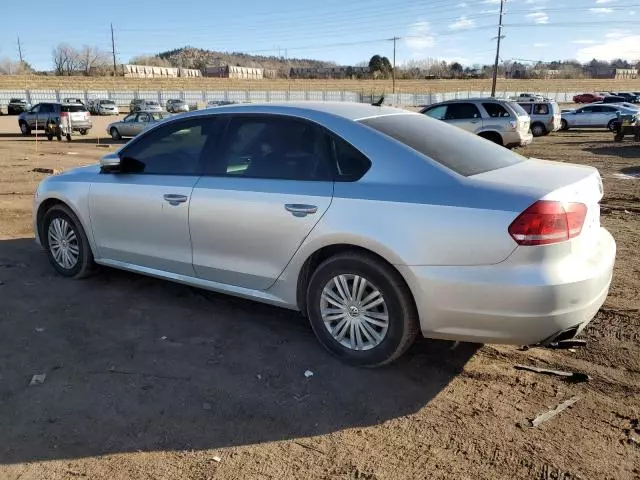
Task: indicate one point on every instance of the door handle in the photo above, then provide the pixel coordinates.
(175, 199)
(300, 210)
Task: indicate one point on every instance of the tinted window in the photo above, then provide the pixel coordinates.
(526, 107)
(586, 110)
(107, 102)
(73, 108)
(596, 109)
(460, 111)
(438, 112)
(495, 110)
(541, 109)
(46, 108)
(174, 149)
(130, 118)
(276, 148)
(608, 109)
(351, 163)
(457, 150)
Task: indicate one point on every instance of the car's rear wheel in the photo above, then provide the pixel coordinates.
(361, 310)
(66, 243)
(83, 132)
(564, 125)
(611, 126)
(115, 134)
(492, 137)
(24, 128)
(538, 130)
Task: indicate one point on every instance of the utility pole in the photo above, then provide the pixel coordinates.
(495, 64)
(113, 50)
(393, 70)
(20, 51)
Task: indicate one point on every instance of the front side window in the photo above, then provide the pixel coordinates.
(495, 110)
(439, 112)
(130, 118)
(35, 109)
(174, 149)
(462, 111)
(275, 148)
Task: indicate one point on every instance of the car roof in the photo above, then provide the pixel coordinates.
(348, 110)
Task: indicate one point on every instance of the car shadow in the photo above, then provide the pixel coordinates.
(74, 139)
(138, 364)
(630, 150)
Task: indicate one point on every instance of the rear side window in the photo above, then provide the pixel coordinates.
(526, 107)
(541, 109)
(73, 108)
(495, 110)
(351, 163)
(451, 147)
(461, 111)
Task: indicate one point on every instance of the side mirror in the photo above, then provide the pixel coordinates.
(110, 162)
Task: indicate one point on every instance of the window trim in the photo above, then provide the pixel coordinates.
(171, 124)
(449, 105)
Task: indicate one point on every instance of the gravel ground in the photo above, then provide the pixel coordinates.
(148, 379)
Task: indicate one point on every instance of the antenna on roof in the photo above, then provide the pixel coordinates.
(379, 102)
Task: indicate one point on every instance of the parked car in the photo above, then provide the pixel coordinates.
(344, 234)
(529, 97)
(587, 98)
(144, 105)
(103, 107)
(133, 124)
(545, 117)
(593, 116)
(73, 101)
(622, 104)
(177, 106)
(613, 99)
(501, 121)
(219, 103)
(629, 97)
(38, 116)
(17, 105)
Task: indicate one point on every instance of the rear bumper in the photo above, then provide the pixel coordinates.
(513, 302)
(517, 139)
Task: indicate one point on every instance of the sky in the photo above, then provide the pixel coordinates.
(344, 31)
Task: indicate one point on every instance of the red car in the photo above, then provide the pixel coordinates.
(587, 98)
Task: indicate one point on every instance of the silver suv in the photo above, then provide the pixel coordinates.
(144, 105)
(37, 117)
(501, 121)
(177, 106)
(545, 117)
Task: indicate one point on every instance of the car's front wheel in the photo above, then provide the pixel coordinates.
(564, 125)
(66, 243)
(611, 126)
(24, 128)
(115, 134)
(361, 310)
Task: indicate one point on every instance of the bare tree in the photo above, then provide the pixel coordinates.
(91, 58)
(65, 59)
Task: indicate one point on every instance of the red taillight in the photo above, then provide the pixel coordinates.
(64, 114)
(547, 222)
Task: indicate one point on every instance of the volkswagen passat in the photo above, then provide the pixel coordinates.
(374, 222)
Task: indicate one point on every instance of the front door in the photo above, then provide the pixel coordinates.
(140, 215)
(255, 205)
(464, 115)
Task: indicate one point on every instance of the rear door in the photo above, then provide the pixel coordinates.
(464, 115)
(267, 188)
(584, 117)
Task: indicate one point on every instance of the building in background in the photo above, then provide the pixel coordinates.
(145, 71)
(626, 73)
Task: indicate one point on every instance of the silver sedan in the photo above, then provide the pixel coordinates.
(376, 223)
(594, 116)
(133, 124)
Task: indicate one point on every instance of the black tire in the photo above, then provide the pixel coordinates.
(83, 132)
(115, 134)
(49, 137)
(59, 137)
(611, 126)
(403, 317)
(25, 129)
(68, 137)
(564, 125)
(85, 264)
(538, 129)
(492, 137)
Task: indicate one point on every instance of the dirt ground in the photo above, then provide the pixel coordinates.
(152, 380)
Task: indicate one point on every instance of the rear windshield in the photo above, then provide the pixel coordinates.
(152, 103)
(107, 102)
(73, 108)
(461, 152)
